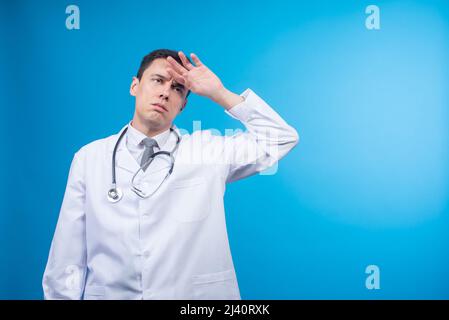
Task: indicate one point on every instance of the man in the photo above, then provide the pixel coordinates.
(162, 234)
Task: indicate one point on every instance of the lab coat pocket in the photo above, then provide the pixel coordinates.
(216, 286)
(94, 293)
(192, 197)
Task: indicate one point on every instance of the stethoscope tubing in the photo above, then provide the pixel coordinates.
(114, 193)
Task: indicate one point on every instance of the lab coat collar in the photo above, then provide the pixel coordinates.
(125, 160)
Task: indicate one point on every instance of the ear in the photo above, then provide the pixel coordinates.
(134, 86)
(183, 105)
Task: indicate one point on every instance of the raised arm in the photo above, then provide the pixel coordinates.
(268, 137)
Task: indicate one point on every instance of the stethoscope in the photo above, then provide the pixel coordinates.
(115, 194)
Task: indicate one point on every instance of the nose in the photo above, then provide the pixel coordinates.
(165, 91)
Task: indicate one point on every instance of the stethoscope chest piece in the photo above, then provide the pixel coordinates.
(115, 194)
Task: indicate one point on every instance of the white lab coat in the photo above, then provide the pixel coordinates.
(173, 245)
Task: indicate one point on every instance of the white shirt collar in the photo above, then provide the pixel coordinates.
(135, 137)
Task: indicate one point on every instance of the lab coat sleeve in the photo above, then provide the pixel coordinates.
(64, 274)
(267, 139)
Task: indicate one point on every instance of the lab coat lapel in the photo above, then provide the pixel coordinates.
(123, 158)
(162, 163)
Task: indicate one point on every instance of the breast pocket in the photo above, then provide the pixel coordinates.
(216, 286)
(191, 199)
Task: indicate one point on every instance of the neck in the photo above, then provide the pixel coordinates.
(147, 129)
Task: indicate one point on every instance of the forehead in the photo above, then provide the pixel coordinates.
(158, 66)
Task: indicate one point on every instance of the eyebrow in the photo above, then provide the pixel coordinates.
(176, 84)
(159, 75)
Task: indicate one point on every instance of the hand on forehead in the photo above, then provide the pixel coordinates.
(182, 70)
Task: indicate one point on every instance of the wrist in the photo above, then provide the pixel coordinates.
(226, 98)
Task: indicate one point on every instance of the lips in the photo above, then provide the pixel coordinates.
(160, 107)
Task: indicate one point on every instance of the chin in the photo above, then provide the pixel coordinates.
(155, 121)
(153, 116)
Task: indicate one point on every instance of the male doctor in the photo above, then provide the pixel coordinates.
(143, 214)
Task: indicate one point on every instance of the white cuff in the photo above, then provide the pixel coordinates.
(242, 111)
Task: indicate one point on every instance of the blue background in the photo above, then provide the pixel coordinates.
(367, 184)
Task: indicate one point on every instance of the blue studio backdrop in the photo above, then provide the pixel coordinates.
(363, 196)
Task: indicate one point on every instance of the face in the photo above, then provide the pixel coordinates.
(159, 98)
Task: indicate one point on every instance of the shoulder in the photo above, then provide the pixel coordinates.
(203, 137)
(210, 143)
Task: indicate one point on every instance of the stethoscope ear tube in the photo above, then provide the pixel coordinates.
(115, 194)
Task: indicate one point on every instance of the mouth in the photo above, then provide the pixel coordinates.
(159, 107)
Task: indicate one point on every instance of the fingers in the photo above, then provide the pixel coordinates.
(180, 73)
(196, 59)
(178, 78)
(177, 67)
(185, 61)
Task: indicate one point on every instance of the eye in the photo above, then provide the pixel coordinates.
(157, 80)
(178, 89)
